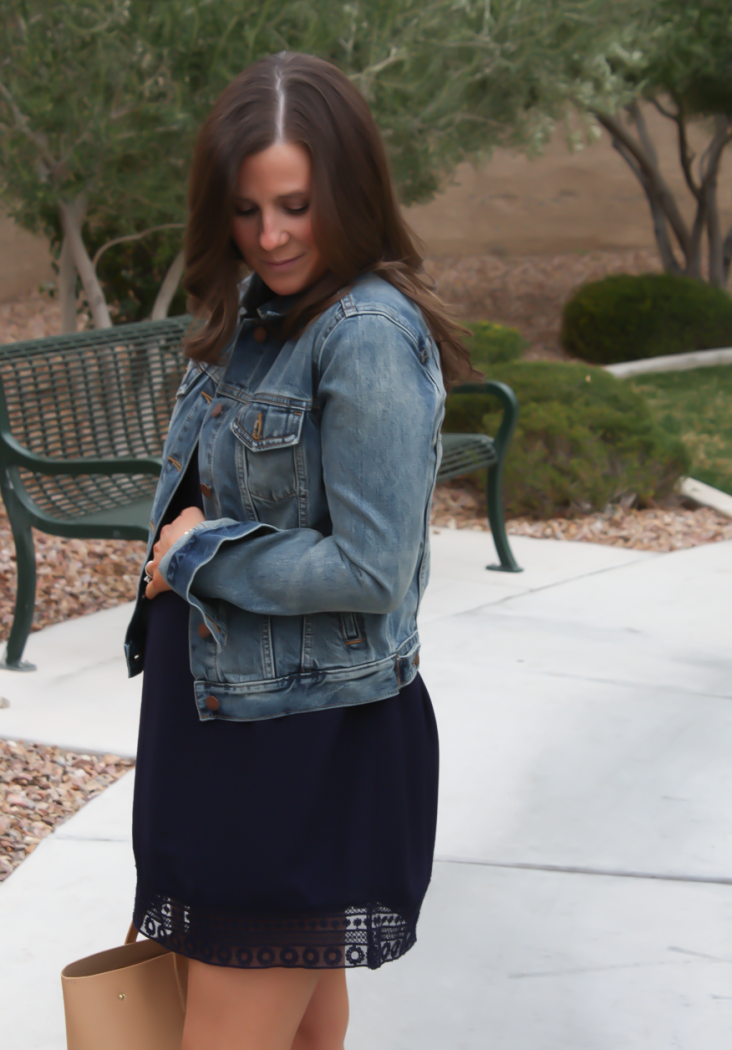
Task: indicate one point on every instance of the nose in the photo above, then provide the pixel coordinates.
(272, 235)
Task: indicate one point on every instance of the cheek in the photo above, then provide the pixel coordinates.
(304, 232)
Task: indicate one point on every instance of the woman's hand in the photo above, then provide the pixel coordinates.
(168, 535)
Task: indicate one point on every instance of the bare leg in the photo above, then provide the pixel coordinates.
(324, 1023)
(234, 1009)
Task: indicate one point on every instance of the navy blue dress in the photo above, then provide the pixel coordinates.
(305, 840)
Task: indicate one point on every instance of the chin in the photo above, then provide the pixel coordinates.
(286, 285)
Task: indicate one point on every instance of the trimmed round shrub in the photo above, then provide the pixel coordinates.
(584, 440)
(626, 317)
(494, 344)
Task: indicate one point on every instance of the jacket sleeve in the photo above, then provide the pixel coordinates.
(381, 408)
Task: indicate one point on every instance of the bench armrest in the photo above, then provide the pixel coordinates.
(509, 403)
(21, 457)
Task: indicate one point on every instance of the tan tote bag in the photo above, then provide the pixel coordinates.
(127, 998)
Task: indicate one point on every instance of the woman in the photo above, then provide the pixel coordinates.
(286, 786)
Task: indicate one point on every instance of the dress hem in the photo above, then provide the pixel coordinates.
(366, 935)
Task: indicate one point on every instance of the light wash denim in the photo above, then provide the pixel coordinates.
(318, 459)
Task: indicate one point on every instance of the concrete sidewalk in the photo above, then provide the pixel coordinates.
(582, 892)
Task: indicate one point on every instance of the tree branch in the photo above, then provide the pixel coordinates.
(71, 223)
(727, 255)
(686, 155)
(67, 288)
(378, 67)
(710, 160)
(661, 190)
(664, 112)
(168, 288)
(660, 222)
(134, 237)
(50, 164)
(634, 111)
(710, 169)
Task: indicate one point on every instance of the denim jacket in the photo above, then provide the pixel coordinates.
(317, 458)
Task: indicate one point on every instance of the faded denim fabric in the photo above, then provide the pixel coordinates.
(320, 456)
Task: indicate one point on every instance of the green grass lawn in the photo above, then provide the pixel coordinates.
(697, 406)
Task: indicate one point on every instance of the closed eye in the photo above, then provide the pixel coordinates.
(247, 212)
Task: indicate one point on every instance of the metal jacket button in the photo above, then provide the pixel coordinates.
(260, 334)
(217, 409)
(203, 631)
(212, 703)
(415, 661)
(206, 490)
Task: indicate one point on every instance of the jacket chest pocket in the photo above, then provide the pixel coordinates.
(269, 452)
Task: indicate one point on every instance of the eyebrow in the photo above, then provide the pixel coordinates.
(282, 197)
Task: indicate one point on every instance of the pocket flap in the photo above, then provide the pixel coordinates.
(262, 426)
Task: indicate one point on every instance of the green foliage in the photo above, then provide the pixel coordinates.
(584, 439)
(626, 317)
(695, 406)
(494, 344)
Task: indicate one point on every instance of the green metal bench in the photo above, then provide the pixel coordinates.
(465, 453)
(83, 418)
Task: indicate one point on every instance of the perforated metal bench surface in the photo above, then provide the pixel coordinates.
(464, 453)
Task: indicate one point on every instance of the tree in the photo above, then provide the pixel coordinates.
(602, 62)
(100, 103)
(99, 106)
(680, 63)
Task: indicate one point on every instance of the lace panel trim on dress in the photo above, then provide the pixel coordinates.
(357, 936)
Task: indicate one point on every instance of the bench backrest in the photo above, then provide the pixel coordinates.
(100, 395)
(104, 393)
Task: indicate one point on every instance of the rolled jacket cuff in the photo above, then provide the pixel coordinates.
(198, 546)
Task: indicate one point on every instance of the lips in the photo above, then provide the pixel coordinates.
(282, 262)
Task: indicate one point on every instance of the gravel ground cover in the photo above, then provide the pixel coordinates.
(41, 787)
(73, 577)
(669, 528)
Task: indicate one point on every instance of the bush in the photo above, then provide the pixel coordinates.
(494, 344)
(624, 318)
(584, 439)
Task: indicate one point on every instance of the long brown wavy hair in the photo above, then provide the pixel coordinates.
(357, 224)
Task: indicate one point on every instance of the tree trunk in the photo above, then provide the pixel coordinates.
(714, 237)
(67, 288)
(168, 288)
(727, 256)
(71, 221)
(693, 266)
(660, 222)
(650, 170)
(712, 160)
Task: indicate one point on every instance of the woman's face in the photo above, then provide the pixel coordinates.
(272, 220)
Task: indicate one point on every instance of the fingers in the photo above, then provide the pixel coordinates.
(157, 583)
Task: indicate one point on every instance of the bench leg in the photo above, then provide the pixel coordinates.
(25, 598)
(498, 526)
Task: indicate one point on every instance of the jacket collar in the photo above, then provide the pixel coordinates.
(256, 299)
